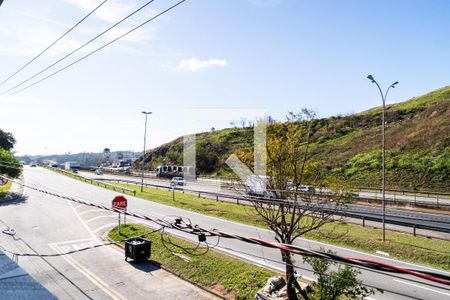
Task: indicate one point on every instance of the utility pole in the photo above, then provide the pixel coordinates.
(383, 146)
(143, 154)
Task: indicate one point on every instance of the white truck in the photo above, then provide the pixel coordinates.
(72, 166)
(257, 186)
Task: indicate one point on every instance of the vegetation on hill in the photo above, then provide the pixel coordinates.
(417, 141)
(85, 159)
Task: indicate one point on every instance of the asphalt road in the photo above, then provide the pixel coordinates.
(389, 195)
(46, 225)
(374, 213)
(59, 223)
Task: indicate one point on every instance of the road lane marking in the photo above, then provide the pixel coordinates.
(91, 276)
(104, 227)
(98, 217)
(90, 211)
(72, 241)
(422, 287)
(81, 220)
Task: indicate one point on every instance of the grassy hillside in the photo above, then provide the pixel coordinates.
(417, 139)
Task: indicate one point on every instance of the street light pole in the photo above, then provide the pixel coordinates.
(383, 145)
(143, 154)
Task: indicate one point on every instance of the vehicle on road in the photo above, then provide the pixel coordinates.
(178, 181)
(98, 171)
(33, 164)
(307, 189)
(257, 186)
(173, 171)
(72, 166)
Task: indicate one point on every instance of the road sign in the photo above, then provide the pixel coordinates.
(3, 181)
(119, 202)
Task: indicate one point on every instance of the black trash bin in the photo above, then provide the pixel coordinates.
(138, 249)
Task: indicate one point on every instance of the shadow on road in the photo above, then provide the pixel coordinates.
(13, 199)
(145, 266)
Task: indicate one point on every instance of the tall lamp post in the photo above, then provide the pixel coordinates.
(383, 145)
(146, 113)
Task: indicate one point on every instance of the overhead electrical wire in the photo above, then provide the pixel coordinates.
(79, 48)
(52, 44)
(186, 227)
(96, 50)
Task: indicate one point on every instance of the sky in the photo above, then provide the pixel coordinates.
(235, 56)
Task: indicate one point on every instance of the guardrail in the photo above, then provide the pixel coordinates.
(363, 214)
(92, 181)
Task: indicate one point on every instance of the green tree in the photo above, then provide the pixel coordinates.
(7, 140)
(289, 167)
(332, 285)
(9, 165)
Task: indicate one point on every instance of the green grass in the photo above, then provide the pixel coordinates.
(4, 189)
(402, 246)
(421, 250)
(213, 270)
(432, 252)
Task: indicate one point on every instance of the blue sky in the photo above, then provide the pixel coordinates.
(275, 55)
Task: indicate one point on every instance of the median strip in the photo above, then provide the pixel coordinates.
(220, 273)
(402, 246)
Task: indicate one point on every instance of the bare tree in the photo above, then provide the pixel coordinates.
(243, 122)
(298, 209)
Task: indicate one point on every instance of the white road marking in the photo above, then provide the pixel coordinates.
(72, 241)
(91, 276)
(422, 287)
(90, 211)
(81, 220)
(104, 227)
(98, 217)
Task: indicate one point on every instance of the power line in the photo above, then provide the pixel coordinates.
(77, 49)
(181, 225)
(96, 50)
(52, 44)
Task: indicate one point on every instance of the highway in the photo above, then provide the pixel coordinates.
(397, 196)
(394, 216)
(61, 224)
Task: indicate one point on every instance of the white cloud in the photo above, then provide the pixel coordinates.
(194, 64)
(111, 11)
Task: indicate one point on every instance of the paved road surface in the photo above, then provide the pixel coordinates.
(46, 224)
(36, 208)
(393, 216)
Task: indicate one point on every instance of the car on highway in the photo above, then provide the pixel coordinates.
(33, 164)
(307, 189)
(178, 181)
(98, 171)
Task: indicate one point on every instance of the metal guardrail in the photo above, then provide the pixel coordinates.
(92, 181)
(363, 215)
(439, 197)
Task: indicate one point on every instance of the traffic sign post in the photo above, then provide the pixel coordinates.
(120, 203)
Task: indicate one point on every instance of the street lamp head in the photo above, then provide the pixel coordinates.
(370, 77)
(394, 84)
(147, 113)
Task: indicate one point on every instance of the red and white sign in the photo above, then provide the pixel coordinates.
(119, 202)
